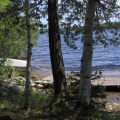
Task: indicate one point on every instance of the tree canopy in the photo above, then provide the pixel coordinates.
(73, 13)
(13, 31)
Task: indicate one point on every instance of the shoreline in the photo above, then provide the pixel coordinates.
(47, 71)
(108, 76)
(111, 73)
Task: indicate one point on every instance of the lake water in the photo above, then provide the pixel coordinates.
(103, 58)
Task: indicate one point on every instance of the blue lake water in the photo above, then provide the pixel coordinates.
(103, 58)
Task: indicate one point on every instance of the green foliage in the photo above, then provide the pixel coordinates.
(6, 70)
(70, 77)
(12, 100)
(13, 37)
(74, 18)
(3, 4)
(38, 100)
(13, 32)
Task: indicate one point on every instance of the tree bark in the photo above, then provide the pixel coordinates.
(29, 55)
(84, 96)
(60, 85)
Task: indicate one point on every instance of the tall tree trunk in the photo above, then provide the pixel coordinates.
(60, 85)
(29, 55)
(84, 96)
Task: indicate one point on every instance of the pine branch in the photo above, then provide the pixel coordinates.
(103, 6)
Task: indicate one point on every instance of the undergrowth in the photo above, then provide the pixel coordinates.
(12, 101)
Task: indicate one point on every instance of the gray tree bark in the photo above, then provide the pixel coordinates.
(84, 95)
(29, 55)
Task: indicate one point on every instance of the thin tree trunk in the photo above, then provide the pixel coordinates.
(29, 54)
(60, 85)
(84, 96)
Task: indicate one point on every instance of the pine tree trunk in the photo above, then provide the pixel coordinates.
(84, 96)
(60, 85)
(29, 55)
